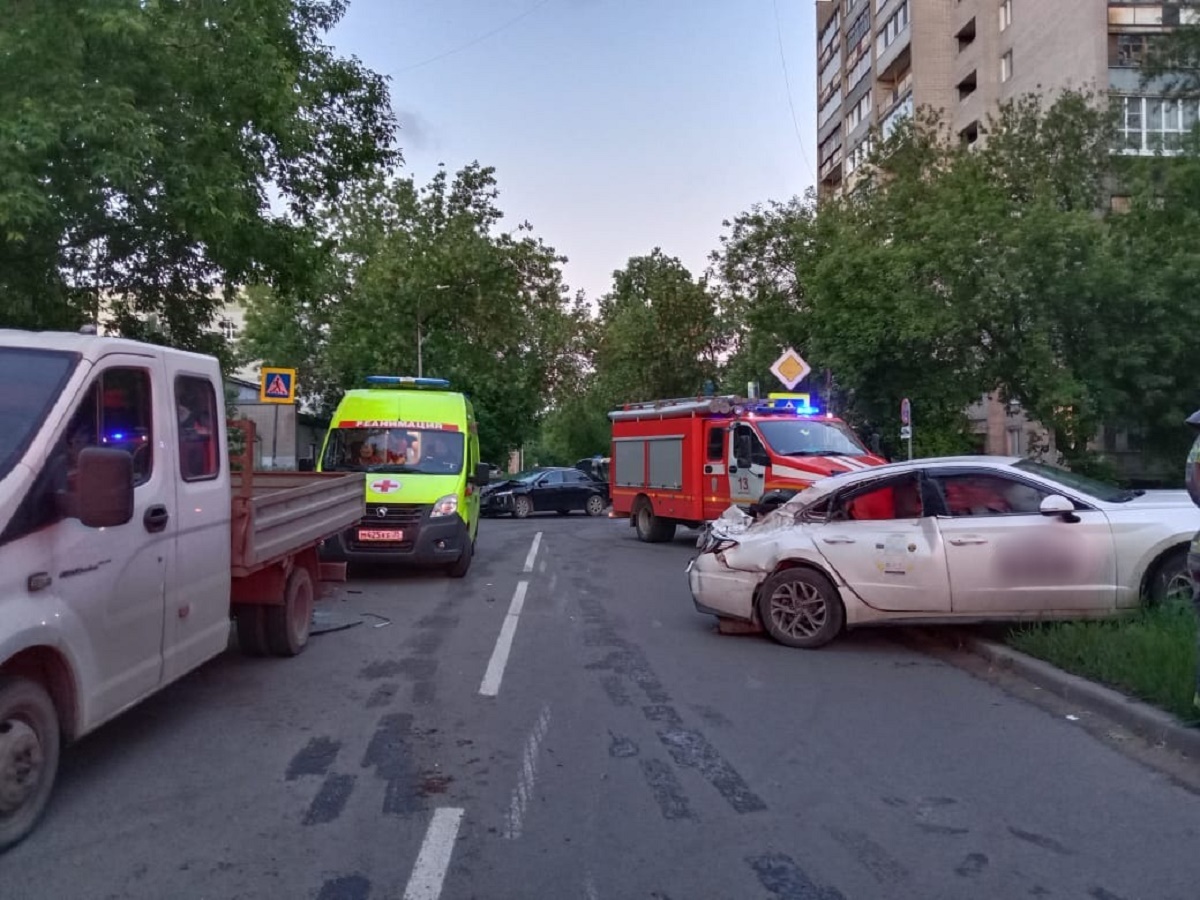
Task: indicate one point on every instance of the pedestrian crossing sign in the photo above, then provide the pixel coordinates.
(277, 385)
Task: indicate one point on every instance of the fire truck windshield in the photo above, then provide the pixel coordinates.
(810, 437)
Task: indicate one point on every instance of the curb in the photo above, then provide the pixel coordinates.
(1149, 722)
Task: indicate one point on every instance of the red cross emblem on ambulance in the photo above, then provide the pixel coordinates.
(386, 486)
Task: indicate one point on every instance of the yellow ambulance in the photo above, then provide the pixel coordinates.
(418, 444)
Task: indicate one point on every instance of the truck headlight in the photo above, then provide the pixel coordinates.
(447, 506)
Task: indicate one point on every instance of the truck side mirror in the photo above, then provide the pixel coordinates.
(105, 487)
(483, 475)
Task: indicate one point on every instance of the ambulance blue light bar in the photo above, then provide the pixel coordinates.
(408, 381)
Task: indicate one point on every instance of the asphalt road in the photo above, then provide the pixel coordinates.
(628, 751)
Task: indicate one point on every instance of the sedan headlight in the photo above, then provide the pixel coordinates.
(447, 506)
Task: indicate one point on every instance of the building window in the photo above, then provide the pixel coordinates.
(1130, 50)
(1150, 125)
(1006, 66)
(893, 28)
(966, 35)
(832, 105)
(861, 111)
(830, 32)
(228, 329)
(967, 86)
(1005, 14)
(903, 110)
(970, 134)
(858, 155)
(858, 30)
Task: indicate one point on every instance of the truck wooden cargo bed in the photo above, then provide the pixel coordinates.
(276, 514)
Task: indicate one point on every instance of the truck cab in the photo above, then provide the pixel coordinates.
(120, 564)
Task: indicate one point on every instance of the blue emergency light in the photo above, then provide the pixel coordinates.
(786, 407)
(408, 381)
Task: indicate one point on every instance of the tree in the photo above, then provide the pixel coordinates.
(141, 142)
(423, 281)
(658, 333)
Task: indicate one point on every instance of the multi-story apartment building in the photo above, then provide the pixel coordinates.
(878, 60)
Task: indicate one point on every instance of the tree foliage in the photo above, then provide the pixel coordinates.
(948, 272)
(141, 145)
(489, 306)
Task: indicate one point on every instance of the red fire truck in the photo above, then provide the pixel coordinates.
(684, 462)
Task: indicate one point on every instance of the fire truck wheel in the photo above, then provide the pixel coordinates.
(800, 608)
(29, 744)
(522, 507)
(651, 528)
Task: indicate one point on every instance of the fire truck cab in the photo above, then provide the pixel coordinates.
(684, 462)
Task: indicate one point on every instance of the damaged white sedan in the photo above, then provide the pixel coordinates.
(941, 540)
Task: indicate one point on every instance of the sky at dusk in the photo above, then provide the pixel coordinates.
(615, 126)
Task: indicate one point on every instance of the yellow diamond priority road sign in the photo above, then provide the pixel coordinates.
(790, 368)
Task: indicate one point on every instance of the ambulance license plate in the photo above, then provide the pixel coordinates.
(380, 534)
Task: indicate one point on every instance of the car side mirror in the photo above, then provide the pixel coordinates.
(105, 487)
(1056, 505)
(483, 475)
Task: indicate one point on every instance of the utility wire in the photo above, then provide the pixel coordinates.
(503, 26)
(787, 81)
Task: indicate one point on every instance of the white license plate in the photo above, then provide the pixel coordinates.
(380, 534)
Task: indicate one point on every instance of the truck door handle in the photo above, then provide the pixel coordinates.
(156, 518)
(966, 541)
(838, 539)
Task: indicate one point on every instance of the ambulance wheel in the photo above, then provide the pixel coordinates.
(29, 745)
(288, 625)
(522, 507)
(460, 567)
(650, 528)
(251, 622)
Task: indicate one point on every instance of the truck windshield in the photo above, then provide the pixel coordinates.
(398, 450)
(810, 437)
(30, 382)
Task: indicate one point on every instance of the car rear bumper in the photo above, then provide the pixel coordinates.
(428, 543)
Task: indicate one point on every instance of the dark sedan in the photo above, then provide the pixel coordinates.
(545, 490)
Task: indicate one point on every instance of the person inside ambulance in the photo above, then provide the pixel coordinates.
(439, 457)
(402, 449)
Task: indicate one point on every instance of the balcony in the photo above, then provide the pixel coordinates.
(893, 42)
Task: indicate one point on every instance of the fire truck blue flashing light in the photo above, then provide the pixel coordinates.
(786, 407)
(407, 381)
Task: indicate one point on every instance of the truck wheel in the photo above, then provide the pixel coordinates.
(29, 747)
(288, 625)
(651, 528)
(522, 507)
(595, 505)
(800, 608)
(251, 622)
(462, 565)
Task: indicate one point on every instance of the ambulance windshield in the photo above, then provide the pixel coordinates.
(395, 450)
(810, 437)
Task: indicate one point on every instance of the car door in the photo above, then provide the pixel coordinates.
(197, 597)
(748, 461)
(547, 490)
(577, 487)
(1004, 556)
(881, 539)
(114, 579)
